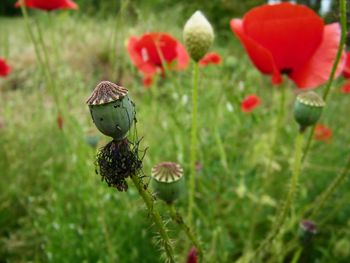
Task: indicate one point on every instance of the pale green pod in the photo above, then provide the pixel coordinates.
(308, 108)
(167, 181)
(198, 35)
(111, 109)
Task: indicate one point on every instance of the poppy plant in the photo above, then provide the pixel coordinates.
(290, 39)
(48, 5)
(210, 58)
(151, 52)
(250, 102)
(5, 69)
(322, 133)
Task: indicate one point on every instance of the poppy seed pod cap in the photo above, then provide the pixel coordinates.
(111, 109)
(167, 181)
(198, 35)
(308, 108)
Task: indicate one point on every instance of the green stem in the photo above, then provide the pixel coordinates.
(325, 195)
(288, 203)
(342, 8)
(267, 169)
(192, 181)
(43, 64)
(49, 77)
(176, 216)
(147, 198)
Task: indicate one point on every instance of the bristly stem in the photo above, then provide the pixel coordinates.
(342, 9)
(176, 216)
(326, 194)
(288, 203)
(192, 179)
(148, 199)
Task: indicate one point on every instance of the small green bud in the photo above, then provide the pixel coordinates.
(167, 181)
(308, 108)
(111, 109)
(198, 35)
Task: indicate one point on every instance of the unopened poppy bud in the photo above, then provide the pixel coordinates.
(308, 108)
(111, 109)
(307, 230)
(198, 35)
(167, 181)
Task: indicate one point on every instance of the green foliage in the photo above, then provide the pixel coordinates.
(54, 208)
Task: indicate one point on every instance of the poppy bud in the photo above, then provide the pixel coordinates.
(308, 108)
(167, 181)
(111, 109)
(198, 35)
(307, 230)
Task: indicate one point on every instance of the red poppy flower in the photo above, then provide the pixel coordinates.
(210, 58)
(322, 133)
(48, 5)
(290, 39)
(5, 69)
(152, 51)
(192, 256)
(250, 102)
(346, 71)
(147, 81)
(346, 87)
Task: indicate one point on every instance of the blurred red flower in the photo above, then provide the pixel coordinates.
(346, 71)
(59, 120)
(290, 39)
(151, 52)
(210, 58)
(346, 87)
(322, 133)
(5, 69)
(250, 102)
(48, 5)
(192, 256)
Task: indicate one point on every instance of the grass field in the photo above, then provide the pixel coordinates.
(54, 208)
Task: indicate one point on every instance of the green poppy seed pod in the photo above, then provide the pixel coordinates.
(111, 109)
(167, 181)
(198, 35)
(308, 108)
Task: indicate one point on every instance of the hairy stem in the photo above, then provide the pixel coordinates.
(192, 181)
(288, 203)
(147, 198)
(326, 194)
(342, 8)
(177, 217)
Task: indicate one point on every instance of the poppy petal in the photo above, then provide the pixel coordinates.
(259, 55)
(279, 28)
(346, 71)
(210, 58)
(346, 87)
(317, 70)
(5, 69)
(141, 62)
(183, 58)
(48, 5)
